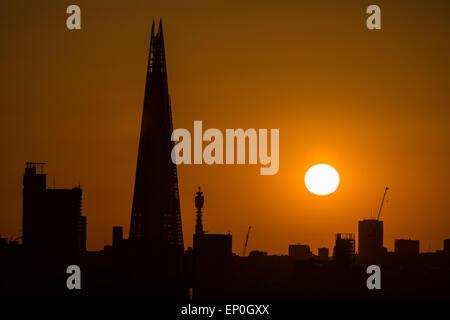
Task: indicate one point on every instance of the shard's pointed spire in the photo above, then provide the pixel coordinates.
(160, 34)
(160, 26)
(150, 55)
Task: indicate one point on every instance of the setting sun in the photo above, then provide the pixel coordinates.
(322, 179)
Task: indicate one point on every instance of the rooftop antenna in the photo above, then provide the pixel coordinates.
(199, 201)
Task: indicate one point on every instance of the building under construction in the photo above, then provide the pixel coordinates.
(370, 238)
(370, 241)
(52, 222)
(344, 248)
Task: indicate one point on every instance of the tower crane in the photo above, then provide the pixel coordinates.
(246, 241)
(382, 202)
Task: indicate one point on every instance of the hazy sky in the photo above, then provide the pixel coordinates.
(373, 104)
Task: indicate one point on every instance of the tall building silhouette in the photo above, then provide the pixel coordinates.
(370, 241)
(155, 219)
(52, 222)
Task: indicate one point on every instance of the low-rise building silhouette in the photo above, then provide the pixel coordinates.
(300, 252)
(406, 248)
(323, 254)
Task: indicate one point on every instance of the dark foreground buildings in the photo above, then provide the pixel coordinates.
(211, 258)
(406, 249)
(53, 236)
(149, 262)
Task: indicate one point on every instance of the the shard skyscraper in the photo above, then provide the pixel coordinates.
(156, 219)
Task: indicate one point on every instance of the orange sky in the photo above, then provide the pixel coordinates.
(373, 104)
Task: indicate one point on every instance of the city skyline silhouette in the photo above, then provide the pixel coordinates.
(152, 262)
(372, 105)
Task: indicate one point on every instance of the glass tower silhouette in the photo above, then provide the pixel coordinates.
(156, 218)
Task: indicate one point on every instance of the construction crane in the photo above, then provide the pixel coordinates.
(382, 202)
(246, 241)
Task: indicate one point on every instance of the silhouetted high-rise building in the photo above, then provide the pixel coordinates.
(370, 241)
(52, 220)
(156, 219)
